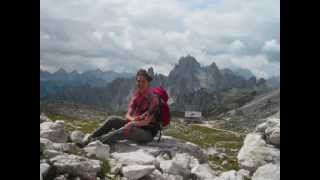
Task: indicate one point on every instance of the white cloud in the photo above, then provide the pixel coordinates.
(237, 46)
(126, 35)
(271, 46)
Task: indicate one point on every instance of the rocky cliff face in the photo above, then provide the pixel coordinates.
(189, 85)
(249, 114)
(182, 79)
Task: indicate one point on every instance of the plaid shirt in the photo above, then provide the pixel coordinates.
(145, 103)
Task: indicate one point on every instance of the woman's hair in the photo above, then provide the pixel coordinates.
(144, 73)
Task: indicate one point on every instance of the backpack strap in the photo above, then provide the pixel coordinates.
(158, 118)
(160, 133)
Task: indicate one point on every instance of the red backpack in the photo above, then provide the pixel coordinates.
(164, 110)
(164, 107)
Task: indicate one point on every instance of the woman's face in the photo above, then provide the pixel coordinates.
(142, 83)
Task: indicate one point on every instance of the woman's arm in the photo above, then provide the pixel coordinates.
(154, 105)
(144, 121)
(129, 116)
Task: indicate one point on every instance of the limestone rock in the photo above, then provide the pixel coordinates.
(77, 136)
(181, 164)
(76, 165)
(135, 157)
(137, 171)
(173, 177)
(44, 144)
(44, 169)
(273, 137)
(230, 175)
(49, 153)
(203, 172)
(54, 131)
(61, 177)
(115, 166)
(155, 175)
(255, 152)
(178, 146)
(267, 172)
(98, 150)
(44, 118)
(244, 173)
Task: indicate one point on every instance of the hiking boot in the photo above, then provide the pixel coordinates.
(86, 140)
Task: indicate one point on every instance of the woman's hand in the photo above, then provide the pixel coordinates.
(127, 128)
(141, 117)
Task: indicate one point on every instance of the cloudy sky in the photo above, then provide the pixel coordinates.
(124, 35)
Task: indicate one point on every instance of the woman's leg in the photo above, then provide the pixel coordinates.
(136, 134)
(112, 122)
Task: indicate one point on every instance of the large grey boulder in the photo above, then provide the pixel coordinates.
(128, 146)
(77, 136)
(181, 164)
(115, 166)
(136, 157)
(255, 152)
(98, 150)
(230, 175)
(173, 177)
(203, 172)
(273, 136)
(244, 173)
(272, 132)
(46, 144)
(44, 118)
(268, 123)
(155, 175)
(174, 145)
(270, 129)
(62, 147)
(267, 172)
(50, 153)
(137, 171)
(77, 166)
(44, 169)
(54, 131)
(61, 177)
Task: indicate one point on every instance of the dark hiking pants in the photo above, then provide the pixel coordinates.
(112, 131)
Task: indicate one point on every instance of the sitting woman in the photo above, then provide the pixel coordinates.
(139, 124)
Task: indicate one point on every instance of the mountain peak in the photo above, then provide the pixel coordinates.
(246, 73)
(98, 70)
(188, 60)
(214, 66)
(61, 71)
(74, 72)
(151, 72)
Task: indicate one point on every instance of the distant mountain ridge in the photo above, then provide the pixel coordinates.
(96, 78)
(189, 85)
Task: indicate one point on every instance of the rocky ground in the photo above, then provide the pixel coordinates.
(190, 156)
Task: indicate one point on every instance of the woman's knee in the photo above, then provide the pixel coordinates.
(114, 118)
